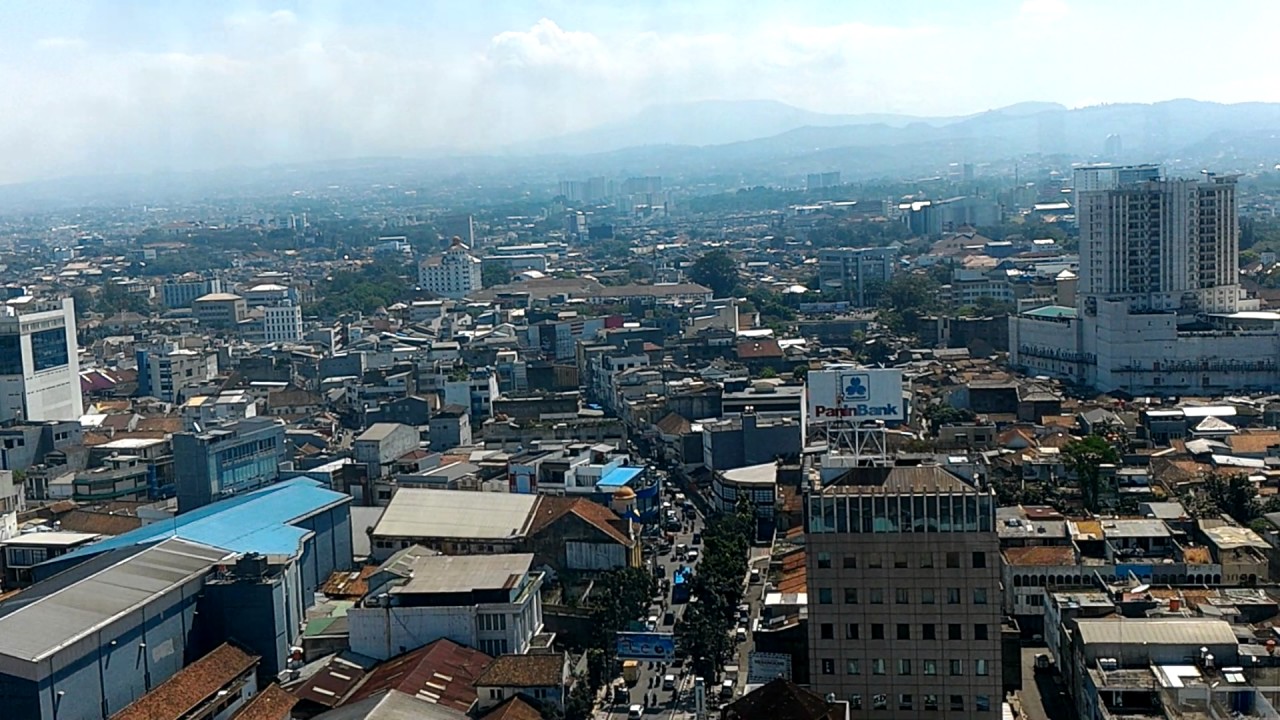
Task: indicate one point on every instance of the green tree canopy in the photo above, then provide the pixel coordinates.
(1085, 458)
(717, 270)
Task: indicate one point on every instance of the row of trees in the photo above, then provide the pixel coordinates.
(703, 633)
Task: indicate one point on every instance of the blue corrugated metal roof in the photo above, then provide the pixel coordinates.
(254, 522)
(619, 477)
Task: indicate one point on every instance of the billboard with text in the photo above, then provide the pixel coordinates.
(646, 646)
(854, 394)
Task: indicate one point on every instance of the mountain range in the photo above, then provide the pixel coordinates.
(756, 142)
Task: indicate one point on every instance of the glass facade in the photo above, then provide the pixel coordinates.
(49, 349)
(968, 512)
(10, 355)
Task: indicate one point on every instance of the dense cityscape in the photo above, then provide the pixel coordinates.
(757, 414)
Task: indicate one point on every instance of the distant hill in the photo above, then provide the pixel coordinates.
(712, 122)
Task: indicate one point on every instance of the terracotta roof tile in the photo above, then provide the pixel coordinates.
(551, 508)
(1254, 442)
(764, 348)
(443, 669)
(1054, 555)
(270, 704)
(523, 671)
(513, 708)
(341, 585)
(99, 523)
(191, 686)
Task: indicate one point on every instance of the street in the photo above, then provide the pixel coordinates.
(651, 673)
(1039, 687)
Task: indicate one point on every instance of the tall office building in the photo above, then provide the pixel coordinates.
(39, 363)
(1159, 308)
(904, 593)
(1158, 244)
(852, 273)
(455, 274)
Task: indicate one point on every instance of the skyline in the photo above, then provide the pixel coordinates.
(97, 87)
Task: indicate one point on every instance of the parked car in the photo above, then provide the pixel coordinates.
(669, 682)
(635, 712)
(755, 575)
(1044, 663)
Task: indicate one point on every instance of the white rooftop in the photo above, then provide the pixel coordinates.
(424, 513)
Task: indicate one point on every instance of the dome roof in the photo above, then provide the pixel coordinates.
(624, 493)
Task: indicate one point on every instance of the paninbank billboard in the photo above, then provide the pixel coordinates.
(855, 394)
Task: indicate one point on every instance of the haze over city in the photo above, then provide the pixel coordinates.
(98, 86)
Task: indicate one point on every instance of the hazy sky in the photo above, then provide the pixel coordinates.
(133, 85)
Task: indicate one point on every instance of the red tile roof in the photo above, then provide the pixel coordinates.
(551, 508)
(523, 671)
(513, 708)
(443, 669)
(347, 585)
(764, 348)
(270, 704)
(192, 686)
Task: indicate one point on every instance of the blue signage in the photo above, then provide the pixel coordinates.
(646, 646)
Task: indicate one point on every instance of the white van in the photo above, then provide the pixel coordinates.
(726, 689)
(669, 682)
(635, 712)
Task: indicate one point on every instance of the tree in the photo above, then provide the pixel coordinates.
(1085, 458)
(495, 274)
(581, 702)
(703, 631)
(716, 270)
(1234, 496)
(906, 298)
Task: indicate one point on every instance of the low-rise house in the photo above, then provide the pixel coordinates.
(543, 677)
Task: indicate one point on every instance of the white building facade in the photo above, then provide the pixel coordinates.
(1159, 308)
(39, 362)
(455, 274)
(282, 323)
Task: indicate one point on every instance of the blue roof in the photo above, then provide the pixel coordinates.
(619, 477)
(259, 521)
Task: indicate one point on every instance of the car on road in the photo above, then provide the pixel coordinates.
(697, 539)
(740, 634)
(691, 556)
(726, 689)
(635, 712)
(755, 575)
(669, 618)
(669, 682)
(651, 624)
(1044, 663)
(681, 549)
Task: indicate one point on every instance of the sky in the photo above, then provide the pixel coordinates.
(122, 86)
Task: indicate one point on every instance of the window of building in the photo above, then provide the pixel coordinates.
(904, 666)
(927, 596)
(824, 560)
(877, 666)
(957, 667)
(904, 701)
(904, 631)
(928, 631)
(828, 666)
(855, 701)
(1035, 600)
(929, 667)
(980, 632)
(979, 596)
(982, 703)
(902, 596)
(827, 631)
(875, 561)
(930, 702)
(879, 701)
(979, 560)
(851, 596)
(926, 560)
(957, 703)
(849, 562)
(877, 596)
(824, 596)
(900, 560)
(979, 667)
(877, 631)
(495, 693)
(851, 631)
(953, 632)
(953, 559)
(953, 596)
(852, 667)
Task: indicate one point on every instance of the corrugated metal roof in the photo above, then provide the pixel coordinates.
(421, 513)
(254, 522)
(1191, 632)
(40, 628)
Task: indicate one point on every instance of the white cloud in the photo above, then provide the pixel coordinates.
(1043, 11)
(61, 43)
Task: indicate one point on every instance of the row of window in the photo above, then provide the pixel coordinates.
(880, 666)
(977, 560)
(901, 596)
(928, 631)
(901, 513)
(880, 701)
